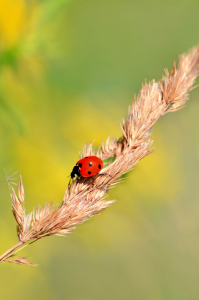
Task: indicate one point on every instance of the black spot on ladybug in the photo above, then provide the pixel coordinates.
(99, 166)
(89, 172)
(90, 164)
(80, 165)
(86, 157)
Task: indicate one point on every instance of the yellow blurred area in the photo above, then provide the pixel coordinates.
(68, 72)
(13, 21)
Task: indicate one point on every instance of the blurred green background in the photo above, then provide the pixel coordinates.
(68, 71)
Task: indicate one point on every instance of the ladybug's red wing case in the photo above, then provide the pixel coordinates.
(90, 165)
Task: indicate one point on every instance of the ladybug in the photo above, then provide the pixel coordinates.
(87, 167)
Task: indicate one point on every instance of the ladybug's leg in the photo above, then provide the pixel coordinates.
(69, 181)
(104, 188)
(105, 174)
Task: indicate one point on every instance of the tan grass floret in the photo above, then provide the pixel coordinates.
(84, 198)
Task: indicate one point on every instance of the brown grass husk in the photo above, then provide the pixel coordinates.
(84, 198)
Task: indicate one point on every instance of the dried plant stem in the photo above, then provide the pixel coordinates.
(10, 251)
(84, 197)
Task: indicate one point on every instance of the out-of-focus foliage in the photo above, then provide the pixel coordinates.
(68, 71)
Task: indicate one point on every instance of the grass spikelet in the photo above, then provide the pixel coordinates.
(84, 197)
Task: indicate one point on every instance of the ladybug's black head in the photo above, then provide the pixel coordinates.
(75, 172)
